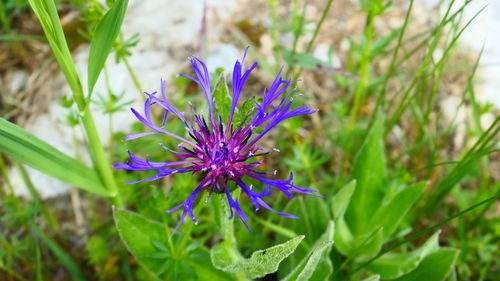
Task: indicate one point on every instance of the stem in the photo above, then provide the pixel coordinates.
(318, 26)
(364, 74)
(5, 175)
(315, 33)
(49, 217)
(137, 84)
(99, 158)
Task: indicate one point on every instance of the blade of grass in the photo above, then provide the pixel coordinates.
(29, 150)
(49, 217)
(105, 34)
(61, 255)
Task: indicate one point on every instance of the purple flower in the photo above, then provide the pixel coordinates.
(218, 150)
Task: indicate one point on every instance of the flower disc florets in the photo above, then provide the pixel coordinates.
(218, 149)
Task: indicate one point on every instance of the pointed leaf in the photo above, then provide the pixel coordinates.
(341, 200)
(320, 253)
(222, 97)
(369, 170)
(46, 12)
(391, 265)
(260, 263)
(32, 151)
(434, 267)
(314, 216)
(104, 37)
(391, 214)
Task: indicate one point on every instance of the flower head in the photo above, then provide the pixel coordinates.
(218, 150)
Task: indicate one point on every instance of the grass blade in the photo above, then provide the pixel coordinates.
(61, 255)
(32, 151)
(104, 37)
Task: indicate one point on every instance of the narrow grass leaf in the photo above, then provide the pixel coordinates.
(105, 34)
(61, 255)
(46, 12)
(32, 151)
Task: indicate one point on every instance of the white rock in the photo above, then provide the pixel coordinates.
(17, 81)
(323, 53)
(223, 56)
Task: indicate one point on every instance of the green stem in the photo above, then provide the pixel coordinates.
(5, 175)
(131, 72)
(99, 158)
(310, 44)
(364, 74)
(49, 217)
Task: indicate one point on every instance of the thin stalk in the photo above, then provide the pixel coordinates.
(273, 5)
(364, 71)
(392, 67)
(49, 217)
(5, 175)
(132, 74)
(99, 158)
(310, 44)
(318, 26)
(109, 106)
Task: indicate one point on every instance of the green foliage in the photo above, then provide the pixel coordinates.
(61, 255)
(30, 150)
(391, 266)
(105, 34)
(225, 255)
(316, 265)
(434, 267)
(260, 263)
(149, 242)
(46, 13)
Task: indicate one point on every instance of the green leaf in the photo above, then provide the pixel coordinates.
(314, 216)
(370, 172)
(102, 42)
(392, 213)
(434, 267)
(222, 98)
(61, 255)
(138, 234)
(32, 151)
(362, 247)
(341, 200)
(260, 263)
(391, 265)
(246, 108)
(319, 255)
(46, 12)
(147, 240)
